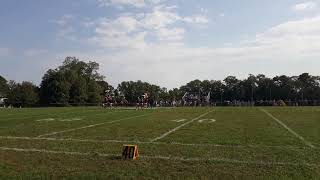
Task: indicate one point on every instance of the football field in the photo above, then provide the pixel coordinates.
(173, 143)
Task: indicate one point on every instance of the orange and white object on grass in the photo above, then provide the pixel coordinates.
(130, 152)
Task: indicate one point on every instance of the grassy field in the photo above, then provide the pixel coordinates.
(180, 143)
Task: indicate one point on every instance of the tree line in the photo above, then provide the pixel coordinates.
(76, 82)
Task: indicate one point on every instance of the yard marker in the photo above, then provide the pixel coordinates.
(172, 158)
(287, 128)
(90, 126)
(130, 152)
(177, 128)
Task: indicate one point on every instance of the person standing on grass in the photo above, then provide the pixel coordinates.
(109, 99)
(151, 103)
(138, 104)
(145, 98)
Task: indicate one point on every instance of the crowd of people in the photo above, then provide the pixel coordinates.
(193, 100)
(145, 101)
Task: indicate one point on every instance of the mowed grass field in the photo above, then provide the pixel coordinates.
(174, 143)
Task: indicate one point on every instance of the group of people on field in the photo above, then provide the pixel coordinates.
(110, 100)
(145, 101)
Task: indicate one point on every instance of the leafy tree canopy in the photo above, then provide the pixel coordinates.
(74, 82)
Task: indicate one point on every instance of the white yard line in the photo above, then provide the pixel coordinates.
(50, 151)
(177, 128)
(107, 112)
(27, 116)
(231, 161)
(172, 158)
(178, 120)
(59, 114)
(148, 142)
(90, 126)
(287, 128)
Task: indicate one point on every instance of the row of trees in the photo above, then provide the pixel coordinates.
(76, 82)
(24, 93)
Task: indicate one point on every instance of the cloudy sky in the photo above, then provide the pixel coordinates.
(166, 42)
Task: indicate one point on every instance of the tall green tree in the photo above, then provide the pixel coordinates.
(74, 82)
(4, 88)
(25, 94)
(217, 90)
(232, 88)
(132, 90)
(54, 88)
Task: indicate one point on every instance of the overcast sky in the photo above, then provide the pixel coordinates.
(166, 42)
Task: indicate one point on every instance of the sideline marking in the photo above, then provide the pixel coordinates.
(90, 126)
(152, 143)
(179, 120)
(232, 161)
(210, 120)
(59, 119)
(47, 120)
(28, 116)
(287, 128)
(177, 128)
(69, 120)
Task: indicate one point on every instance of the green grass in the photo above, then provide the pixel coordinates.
(243, 143)
(305, 121)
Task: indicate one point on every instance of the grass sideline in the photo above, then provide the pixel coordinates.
(243, 143)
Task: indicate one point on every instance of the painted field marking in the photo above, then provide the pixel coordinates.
(108, 112)
(210, 120)
(59, 113)
(48, 151)
(177, 128)
(47, 120)
(287, 128)
(179, 120)
(224, 160)
(152, 143)
(59, 119)
(72, 119)
(90, 126)
(37, 115)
